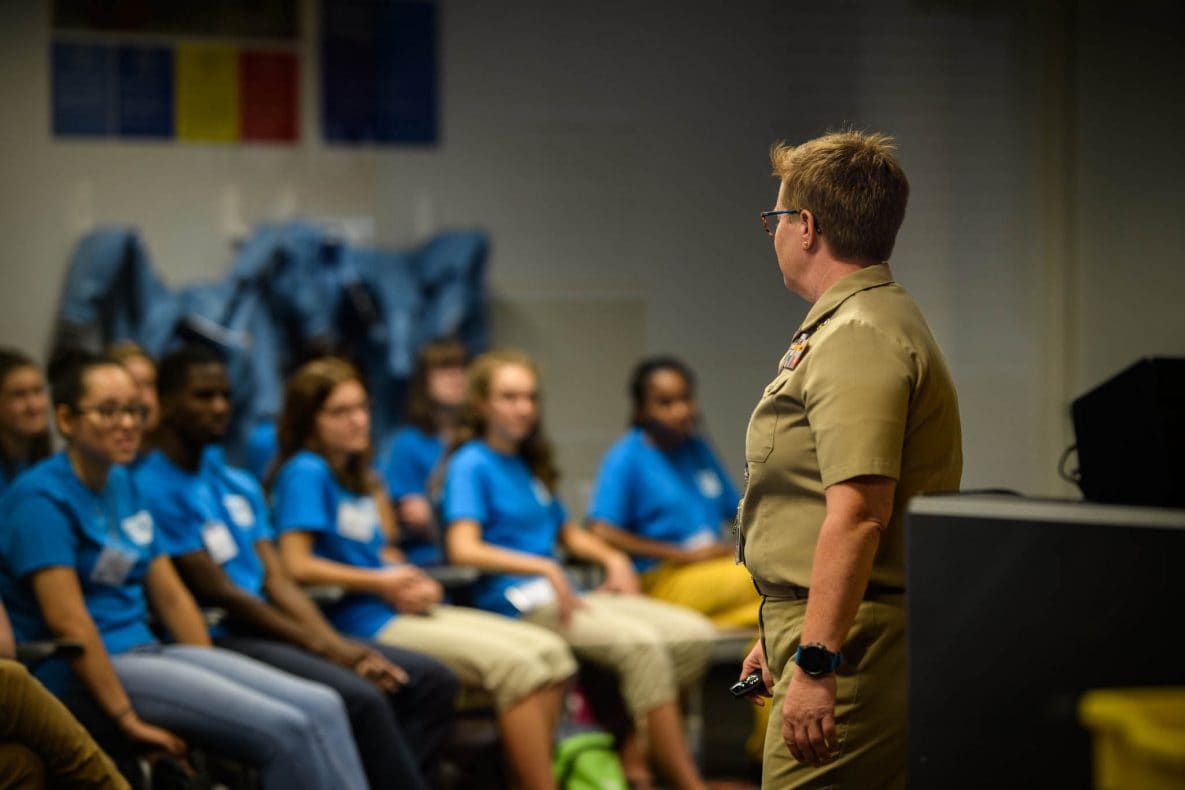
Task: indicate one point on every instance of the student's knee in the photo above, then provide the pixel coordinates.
(323, 703)
(556, 656)
(21, 767)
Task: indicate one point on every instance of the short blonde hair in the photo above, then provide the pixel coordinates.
(854, 186)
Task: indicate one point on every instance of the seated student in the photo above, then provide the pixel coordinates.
(336, 526)
(41, 744)
(142, 369)
(213, 521)
(24, 415)
(82, 562)
(504, 518)
(434, 398)
(661, 496)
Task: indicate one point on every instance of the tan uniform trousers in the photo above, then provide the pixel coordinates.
(43, 745)
(506, 658)
(870, 709)
(654, 648)
(718, 588)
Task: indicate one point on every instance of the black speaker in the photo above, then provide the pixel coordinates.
(1131, 436)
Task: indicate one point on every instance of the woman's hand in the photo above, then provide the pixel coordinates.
(567, 600)
(141, 731)
(368, 663)
(396, 584)
(620, 576)
(408, 588)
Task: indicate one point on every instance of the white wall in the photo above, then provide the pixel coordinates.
(616, 154)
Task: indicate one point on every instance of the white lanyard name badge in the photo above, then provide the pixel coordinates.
(708, 483)
(115, 563)
(220, 544)
(529, 596)
(357, 520)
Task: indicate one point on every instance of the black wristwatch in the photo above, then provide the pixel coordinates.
(816, 660)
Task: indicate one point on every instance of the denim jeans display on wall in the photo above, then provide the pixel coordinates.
(294, 290)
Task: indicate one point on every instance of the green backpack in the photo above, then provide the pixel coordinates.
(587, 761)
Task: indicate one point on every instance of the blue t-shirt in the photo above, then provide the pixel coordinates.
(346, 529)
(410, 462)
(514, 508)
(218, 509)
(678, 496)
(49, 518)
(262, 444)
(7, 477)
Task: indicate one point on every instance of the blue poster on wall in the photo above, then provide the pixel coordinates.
(146, 91)
(379, 71)
(84, 89)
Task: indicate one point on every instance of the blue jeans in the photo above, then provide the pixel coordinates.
(399, 735)
(296, 732)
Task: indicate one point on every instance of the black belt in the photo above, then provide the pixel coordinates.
(792, 592)
(789, 592)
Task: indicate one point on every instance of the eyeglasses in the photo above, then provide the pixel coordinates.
(109, 413)
(765, 218)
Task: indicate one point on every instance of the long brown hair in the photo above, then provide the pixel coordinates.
(40, 446)
(535, 450)
(420, 410)
(305, 394)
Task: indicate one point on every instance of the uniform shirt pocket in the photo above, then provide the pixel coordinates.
(763, 424)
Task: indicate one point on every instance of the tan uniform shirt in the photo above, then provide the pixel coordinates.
(864, 390)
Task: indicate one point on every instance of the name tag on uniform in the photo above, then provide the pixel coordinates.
(113, 566)
(709, 483)
(239, 509)
(542, 495)
(357, 520)
(220, 544)
(529, 596)
(138, 528)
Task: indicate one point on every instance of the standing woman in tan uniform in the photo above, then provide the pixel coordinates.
(860, 416)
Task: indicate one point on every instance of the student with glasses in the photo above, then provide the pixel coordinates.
(82, 561)
(214, 523)
(142, 369)
(336, 527)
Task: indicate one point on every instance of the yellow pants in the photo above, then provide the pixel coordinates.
(723, 592)
(42, 742)
(870, 705)
(719, 589)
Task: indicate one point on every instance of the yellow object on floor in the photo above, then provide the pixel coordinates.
(1139, 737)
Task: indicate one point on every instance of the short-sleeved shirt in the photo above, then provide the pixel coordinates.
(218, 509)
(262, 444)
(515, 509)
(8, 474)
(679, 496)
(346, 528)
(863, 390)
(410, 463)
(50, 519)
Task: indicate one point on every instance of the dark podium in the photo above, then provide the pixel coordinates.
(1016, 607)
